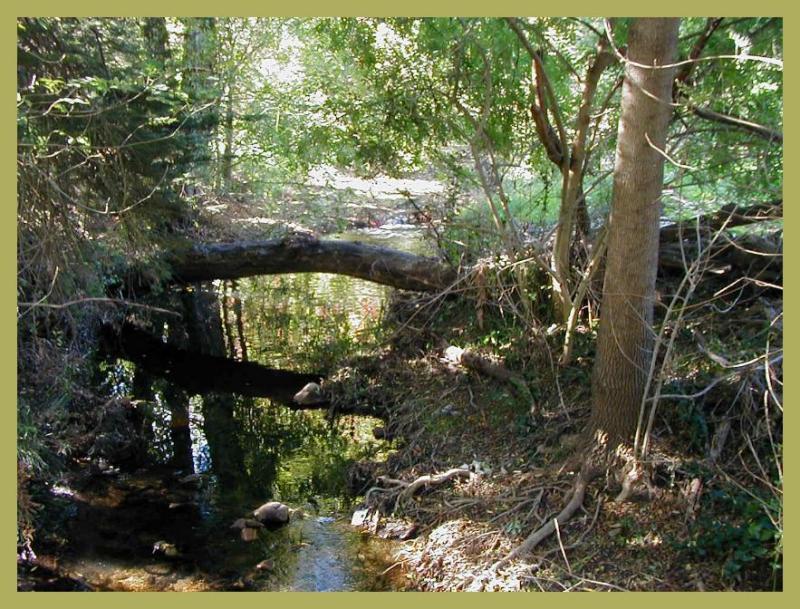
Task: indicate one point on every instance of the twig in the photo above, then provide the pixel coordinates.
(113, 301)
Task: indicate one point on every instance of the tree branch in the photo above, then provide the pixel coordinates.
(771, 135)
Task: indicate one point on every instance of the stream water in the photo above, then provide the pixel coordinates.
(168, 527)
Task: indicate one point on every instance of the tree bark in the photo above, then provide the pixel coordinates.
(625, 336)
(300, 254)
(156, 38)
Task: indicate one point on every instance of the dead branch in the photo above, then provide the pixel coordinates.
(431, 480)
(728, 216)
(478, 363)
(769, 134)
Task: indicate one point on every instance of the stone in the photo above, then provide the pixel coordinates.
(273, 512)
(310, 395)
(249, 534)
(167, 549)
(246, 523)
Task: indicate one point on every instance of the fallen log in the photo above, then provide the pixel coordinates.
(727, 216)
(200, 374)
(302, 253)
(747, 256)
(306, 254)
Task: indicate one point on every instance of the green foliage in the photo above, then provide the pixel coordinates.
(31, 448)
(737, 531)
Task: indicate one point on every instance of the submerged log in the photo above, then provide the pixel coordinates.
(199, 373)
(305, 254)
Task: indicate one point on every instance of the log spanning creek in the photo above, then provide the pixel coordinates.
(216, 449)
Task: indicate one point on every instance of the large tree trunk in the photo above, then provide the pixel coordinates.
(625, 337)
(156, 39)
(301, 254)
(200, 85)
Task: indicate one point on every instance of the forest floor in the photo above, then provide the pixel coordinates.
(445, 417)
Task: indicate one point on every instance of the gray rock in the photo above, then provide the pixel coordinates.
(273, 512)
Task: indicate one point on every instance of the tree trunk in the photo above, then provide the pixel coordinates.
(227, 154)
(625, 338)
(156, 39)
(201, 88)
(238, 313)
(226, 320)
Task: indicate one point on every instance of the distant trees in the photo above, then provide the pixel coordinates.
(542, 96)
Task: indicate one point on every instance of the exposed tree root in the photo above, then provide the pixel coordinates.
(409, 489)
(431, 480)
(585, 476)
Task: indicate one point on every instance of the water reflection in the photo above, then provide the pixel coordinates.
(245, 451)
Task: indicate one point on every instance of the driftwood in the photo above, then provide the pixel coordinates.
(478, 363)
(306, 254)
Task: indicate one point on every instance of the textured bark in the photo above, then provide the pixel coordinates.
(310, 255)
(625, 336)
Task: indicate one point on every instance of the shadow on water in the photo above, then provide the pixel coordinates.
(219, 456)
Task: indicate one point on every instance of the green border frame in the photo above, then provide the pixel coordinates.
(356, 8)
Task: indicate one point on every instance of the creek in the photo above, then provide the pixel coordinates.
(167, 526)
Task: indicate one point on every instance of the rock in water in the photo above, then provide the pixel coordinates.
(310, 395)
(249, 534)
(272, 513)
(167, 549)
(247, 523)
